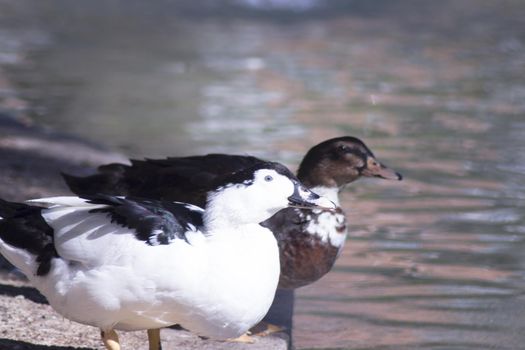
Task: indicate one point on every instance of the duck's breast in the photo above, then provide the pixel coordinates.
(242, 279)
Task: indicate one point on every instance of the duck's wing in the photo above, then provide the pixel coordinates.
(184, 179)
(153, 221)
(93, 231)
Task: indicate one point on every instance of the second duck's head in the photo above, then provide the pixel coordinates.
(339, 161)
(254, 194)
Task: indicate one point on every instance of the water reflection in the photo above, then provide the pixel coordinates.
(434, 262)
(295, 5)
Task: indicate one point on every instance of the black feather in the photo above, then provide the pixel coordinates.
(23, 226)
(184, 179)
(154, 221)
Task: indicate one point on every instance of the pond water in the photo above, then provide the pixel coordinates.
(436, 89)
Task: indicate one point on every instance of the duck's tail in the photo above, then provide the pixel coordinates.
(26, 240)
(108, 180)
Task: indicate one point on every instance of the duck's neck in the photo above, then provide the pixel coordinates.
(330, 192)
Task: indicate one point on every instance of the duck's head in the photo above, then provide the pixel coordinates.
(339, 161)
(254, 194)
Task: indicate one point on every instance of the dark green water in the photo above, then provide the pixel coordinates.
(437, 90)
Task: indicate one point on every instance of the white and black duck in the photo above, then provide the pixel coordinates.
(120, 263)
(309, 242)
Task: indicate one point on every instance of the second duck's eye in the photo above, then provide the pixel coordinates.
(268, 178)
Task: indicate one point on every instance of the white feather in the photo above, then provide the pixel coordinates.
(326, 224)
(192, 207)
(332, 193)
(67, 201)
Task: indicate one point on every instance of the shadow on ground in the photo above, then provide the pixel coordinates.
(22, 345)
(29, 293)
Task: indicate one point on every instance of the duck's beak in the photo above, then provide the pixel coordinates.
(303, 197)
(376, 169)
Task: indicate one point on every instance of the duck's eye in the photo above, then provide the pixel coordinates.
(344, 148)
(268, 178)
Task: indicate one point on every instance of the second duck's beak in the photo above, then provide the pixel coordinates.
(303, 197)
(376, 169)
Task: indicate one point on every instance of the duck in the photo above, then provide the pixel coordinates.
(130, 263)
(309, 241)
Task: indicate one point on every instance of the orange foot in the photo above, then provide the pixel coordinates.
(245, 338)
(264, 329)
